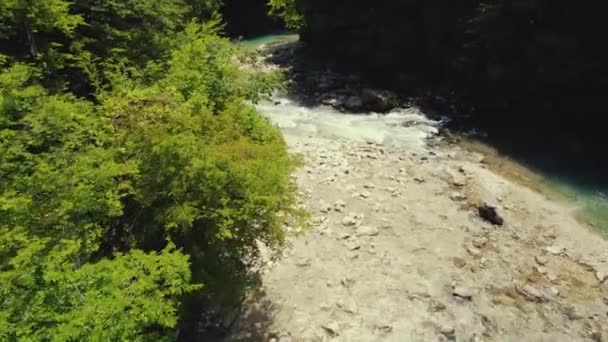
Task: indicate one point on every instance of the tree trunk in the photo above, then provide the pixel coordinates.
(31, 40)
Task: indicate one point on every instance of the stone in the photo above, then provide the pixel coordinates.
(459, 262)
(303, 262)
(474, 251)
(332, 329)
(352, 255)
(532, 294)
(350, 220)
(541, 260)
(352, 244)
(457, 196)
(601, 275)
(353, 103)
(490, 214)
(365, 194)
(333, 102)
(480, 242)
(572, 313)
(447, 330)
(369, 186)
(555, 250)
(463, 292)
(436, 306)
(339, 205)
(380, 101)
(343, 236)
(596, 336)
(349, 307)
(383, 329)
(367, 231)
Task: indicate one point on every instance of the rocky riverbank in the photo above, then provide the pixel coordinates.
(415, 238)
(398, 251)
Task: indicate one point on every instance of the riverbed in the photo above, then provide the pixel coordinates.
(541, 166)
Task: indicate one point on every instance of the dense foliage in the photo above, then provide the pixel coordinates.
(506, 52)
(134, 172)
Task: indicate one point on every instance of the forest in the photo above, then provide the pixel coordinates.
(135, 175)
(137, 178)
(529, 58)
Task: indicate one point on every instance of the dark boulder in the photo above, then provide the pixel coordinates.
(490, 214)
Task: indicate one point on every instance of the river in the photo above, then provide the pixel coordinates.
(535, 156)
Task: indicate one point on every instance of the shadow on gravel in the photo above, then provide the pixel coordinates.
(250, 322)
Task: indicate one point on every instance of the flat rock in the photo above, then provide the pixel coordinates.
(541, 260)
(459, 262)
(383, 329)
(555, 250)
(303, 262)
(367, 231)
(463, 292)
(332, 329)
(436, 306)
(352, 244)
(480, 242)
(533, 294)
(474, 251)
(457, 196)
(601, 275)
(350, 220)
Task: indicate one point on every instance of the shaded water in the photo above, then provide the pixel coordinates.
(257, 42)
(563, 178)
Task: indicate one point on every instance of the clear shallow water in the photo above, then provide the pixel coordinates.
(590, 198)
(256, 42)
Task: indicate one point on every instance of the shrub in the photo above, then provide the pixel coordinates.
(111, 211)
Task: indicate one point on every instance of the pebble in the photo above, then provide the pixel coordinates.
(352, 255)
(463, 292)
(349, 307)
(436, 306)
(339, 205)
(383, 329)
(367, 231)
(541, 260)
(332, 329)
(457, 196)
(369, 186)
(601, 275)
(365, 194)
(304, 262)
(473, 251)
(551, 276)
(555, 250)
(480, 242)
(459, 262)
(541, 270)
(343, 236)
(532, 294)
(447, 330)
(349, 220)
(352, 244)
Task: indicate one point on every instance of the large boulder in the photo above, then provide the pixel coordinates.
(380, 101)
(353, 103)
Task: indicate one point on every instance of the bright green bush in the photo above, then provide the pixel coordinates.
(112, 210)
